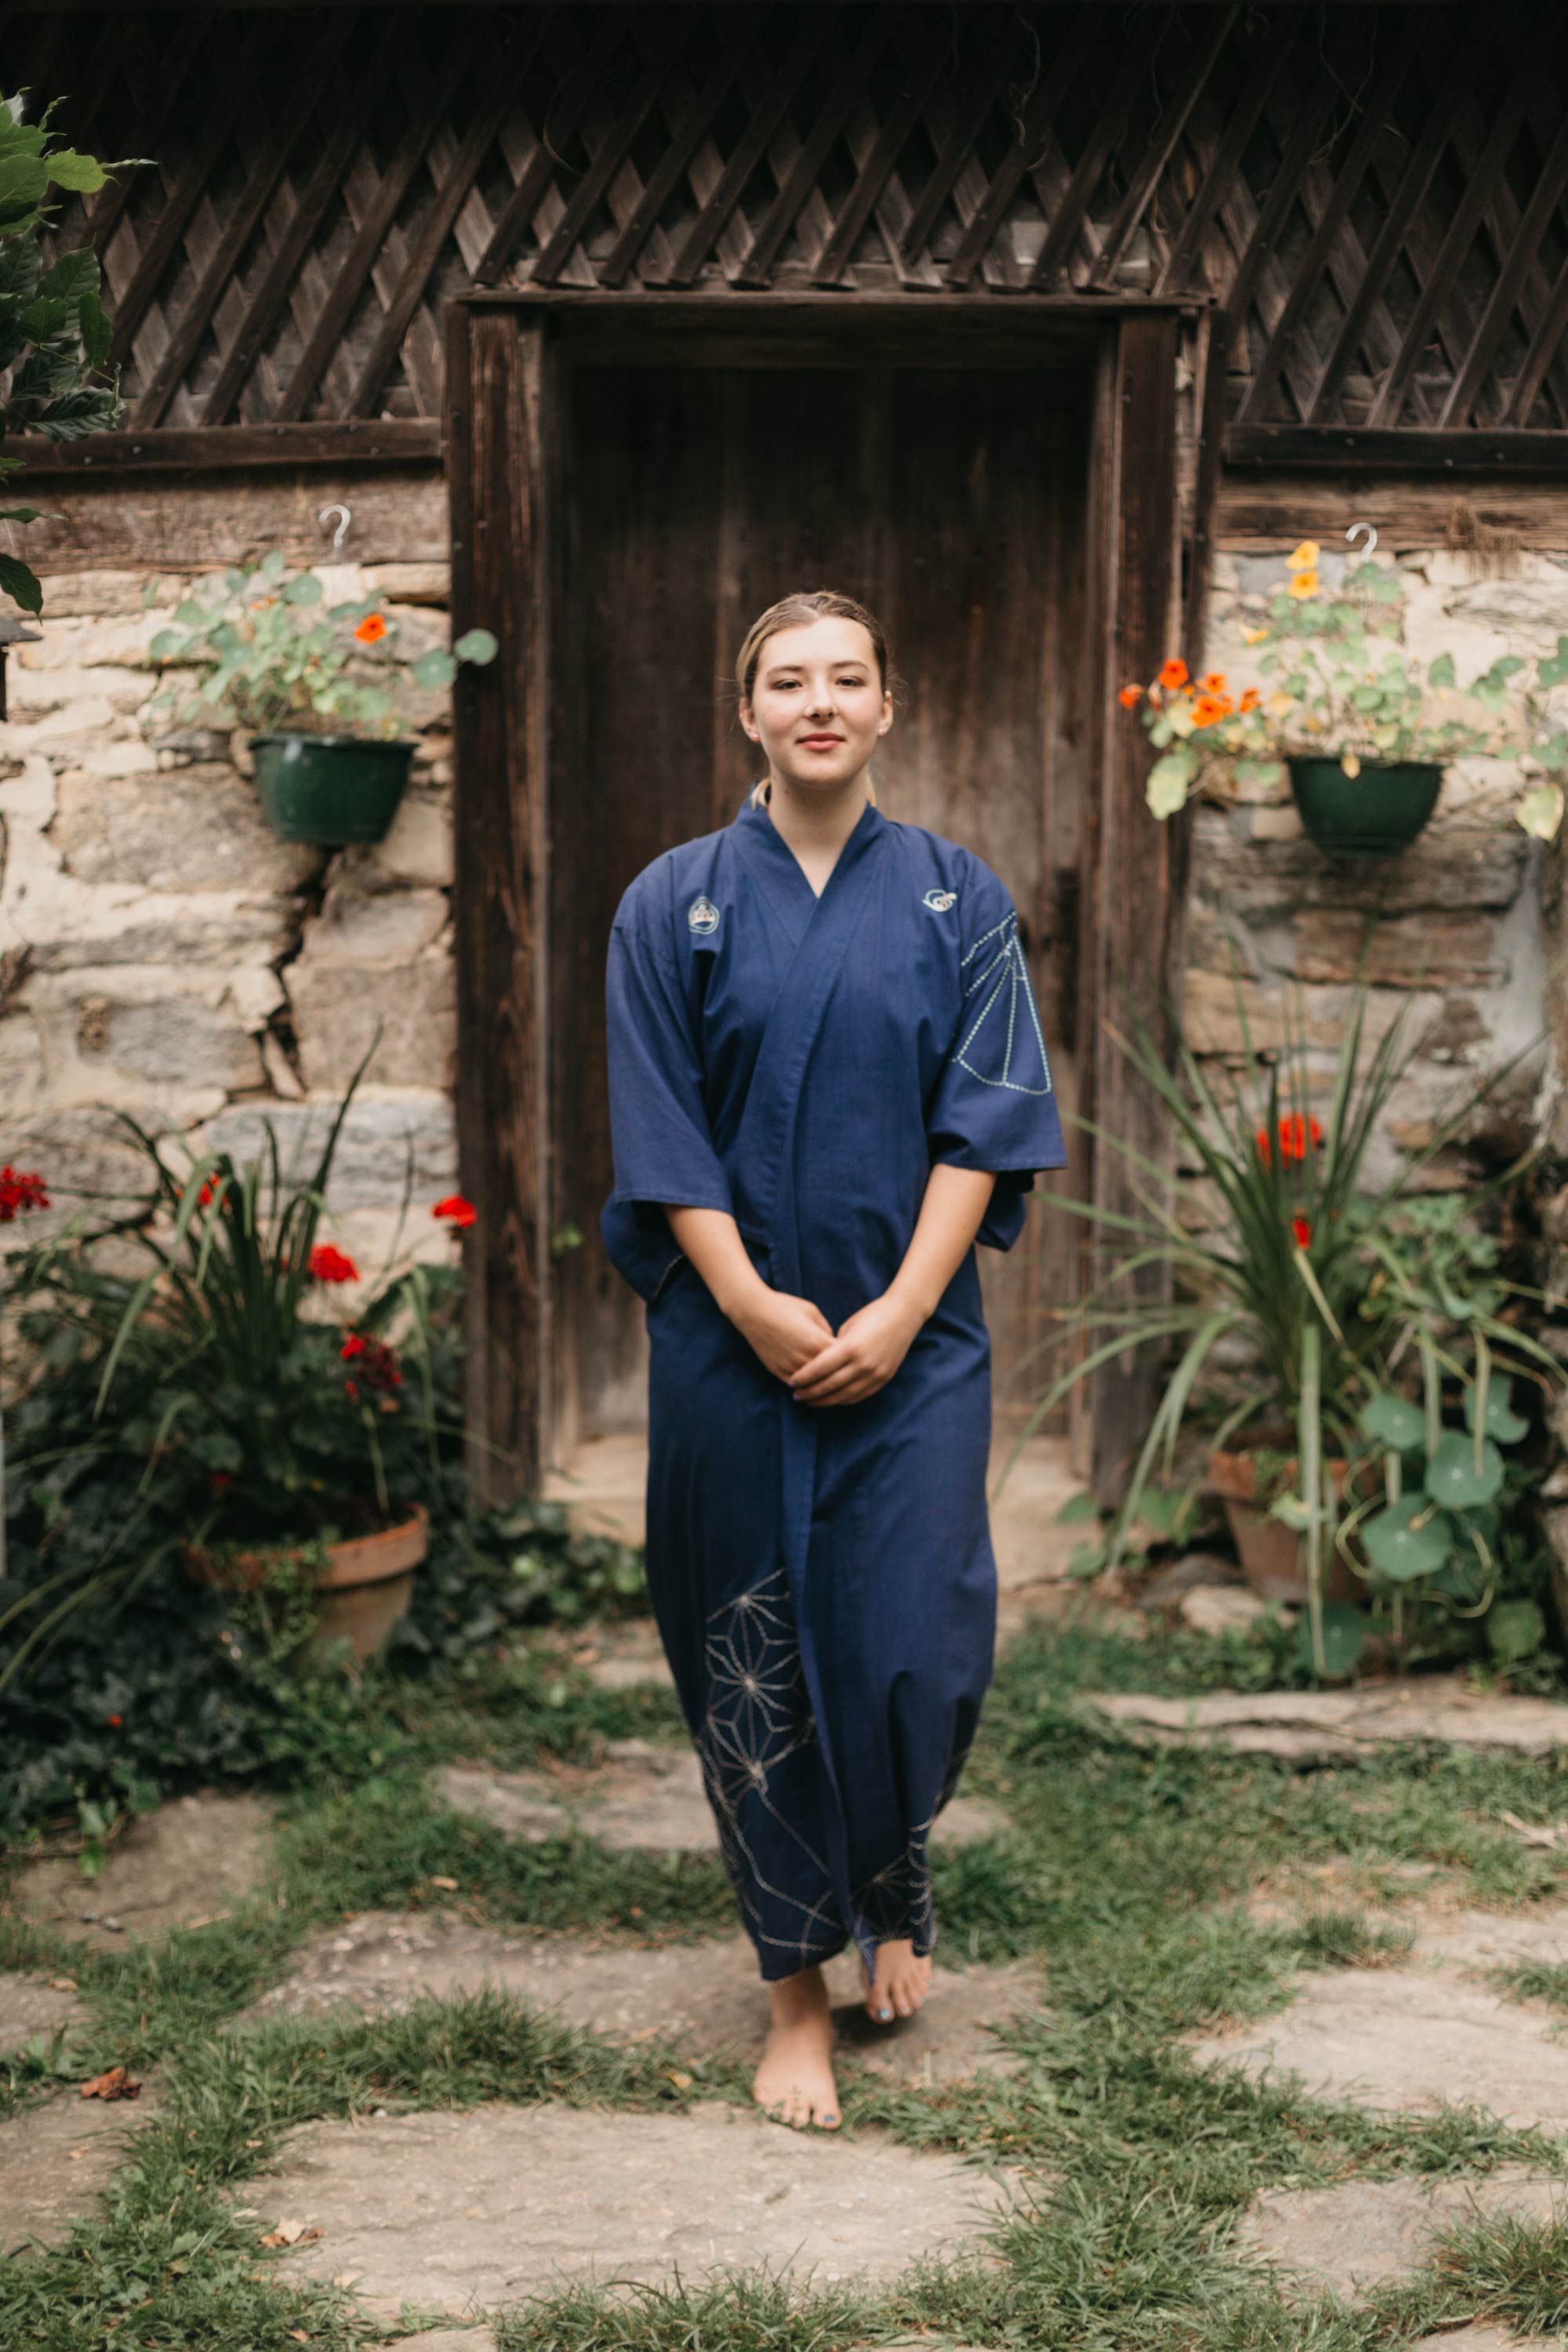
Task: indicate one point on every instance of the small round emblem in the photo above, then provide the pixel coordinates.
(703, 915)
(939, 901)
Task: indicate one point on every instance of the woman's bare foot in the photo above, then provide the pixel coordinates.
(795, 2081)
(901, 1984)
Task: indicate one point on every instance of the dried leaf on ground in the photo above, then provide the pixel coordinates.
(116, 2083)
(289, 2233)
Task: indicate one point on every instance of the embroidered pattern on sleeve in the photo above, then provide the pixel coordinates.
(1006, 1018)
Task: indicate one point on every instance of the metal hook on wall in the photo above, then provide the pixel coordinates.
(342, 531)
(1371, 530)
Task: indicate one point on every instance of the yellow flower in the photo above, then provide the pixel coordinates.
(1349, 763)
(1303, 558)
(1253, 636)
(1278, 705)
(1302, 583)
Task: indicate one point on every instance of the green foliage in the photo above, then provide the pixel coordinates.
(54, 330)
(266, 654)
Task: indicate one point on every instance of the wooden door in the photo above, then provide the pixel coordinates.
(953, 501)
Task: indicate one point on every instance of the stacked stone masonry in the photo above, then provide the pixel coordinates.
(161, 953)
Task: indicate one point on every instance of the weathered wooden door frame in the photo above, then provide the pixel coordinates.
(503, 356)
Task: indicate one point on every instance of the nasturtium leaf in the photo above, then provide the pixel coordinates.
(1502, 1422)
(1554, 671)
(1540, 810)
(1411, 1537)
(1290, 1510)
(435, 669)
(1393, 1421)
(477, 645)
(1515, 1630)
(1345, 1636)
(1442, 671)
(303, 589)
(1452, 1477)
(1077, 1508)
(1166, 790)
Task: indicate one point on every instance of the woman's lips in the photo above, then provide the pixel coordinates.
(820, 742)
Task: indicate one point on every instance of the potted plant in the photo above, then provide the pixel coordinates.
(315, 682)
(1360, 1459)
(280, 1433)
(1362, 731)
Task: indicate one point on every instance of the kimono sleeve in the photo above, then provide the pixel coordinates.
(662, 1147)
(994, 1105)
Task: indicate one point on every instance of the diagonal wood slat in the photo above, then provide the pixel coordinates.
(278, 263)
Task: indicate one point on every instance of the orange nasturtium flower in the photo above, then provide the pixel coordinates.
(1131, 697)
(1302, 583)
(1214, 682)
(371, 630)
(1303, 558)
(1250, 699)
(1174, 673)
(1207, 709)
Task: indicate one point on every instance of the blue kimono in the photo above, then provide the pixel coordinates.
(822, 1575)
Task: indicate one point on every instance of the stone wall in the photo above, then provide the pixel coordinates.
(1460, 942)
(161, 953)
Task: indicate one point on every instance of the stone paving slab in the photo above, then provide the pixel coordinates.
(707, 1998)
(460, 2211)
(1409, 2040)
(31, 2004)
(646, 1798)
(191, 1860)
(1317, 1727)
(439, 2339)
(55, 2157)
(1363, 2235)
(1484, 2338)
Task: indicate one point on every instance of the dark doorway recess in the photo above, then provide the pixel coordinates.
(953, 502)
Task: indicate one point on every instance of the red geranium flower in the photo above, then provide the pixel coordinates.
(461, 1212)
(115, 1721)
(378, 1364)
(329, 1265)
(19, 1192)
(1302, 1232)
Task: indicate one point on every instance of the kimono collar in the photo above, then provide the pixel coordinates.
(775, 862)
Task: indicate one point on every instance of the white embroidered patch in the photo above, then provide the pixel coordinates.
(939, 901)
(703, 915)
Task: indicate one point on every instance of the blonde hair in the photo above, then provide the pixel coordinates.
(798, 610)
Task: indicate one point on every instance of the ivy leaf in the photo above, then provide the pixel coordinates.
(1393, 1421)
(1452, 1477)
(1411, 1537)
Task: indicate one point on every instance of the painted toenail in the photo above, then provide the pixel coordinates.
(884, 2014)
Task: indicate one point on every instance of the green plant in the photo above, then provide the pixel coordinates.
(54, 330)
(233, 1405)
(269, 653)
(1339, 684)
(1342, 1295)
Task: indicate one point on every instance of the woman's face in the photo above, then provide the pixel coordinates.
(817, 705)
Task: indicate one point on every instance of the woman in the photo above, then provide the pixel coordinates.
(827, 1081)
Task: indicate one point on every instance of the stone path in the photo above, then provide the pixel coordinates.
(191, 1860)
(454, 2212)
(55, 2158)
(32, 2005)
(644, 1797)
(1363, 2235)
(1322, 1727)
(705, 1998)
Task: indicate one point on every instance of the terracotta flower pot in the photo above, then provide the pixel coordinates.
(1273, 1557)
(366, 1585)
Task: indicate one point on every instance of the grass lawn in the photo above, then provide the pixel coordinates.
(1120, 1870)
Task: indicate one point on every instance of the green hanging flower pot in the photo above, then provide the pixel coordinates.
(1375, 813)
(329, 788)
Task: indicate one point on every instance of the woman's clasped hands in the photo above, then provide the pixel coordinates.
(796, 1342)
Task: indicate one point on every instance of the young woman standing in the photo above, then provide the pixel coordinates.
(828, 1080)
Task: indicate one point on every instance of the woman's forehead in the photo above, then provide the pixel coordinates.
(830, 638)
